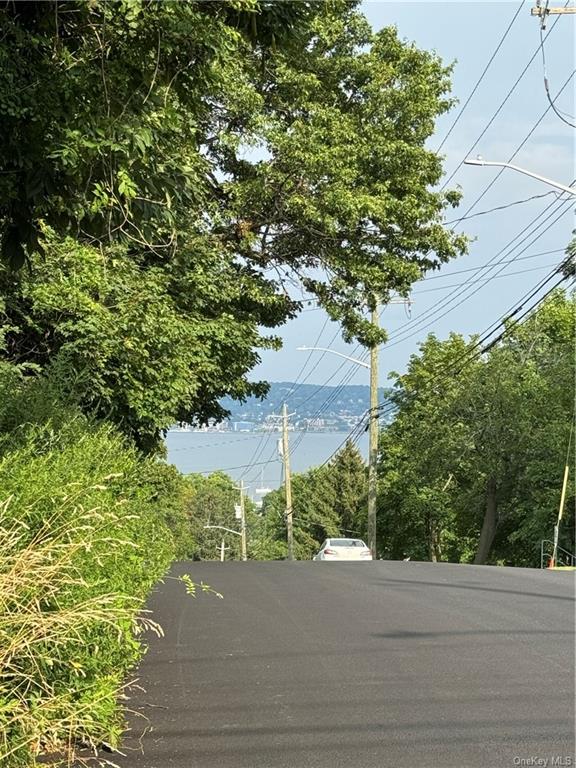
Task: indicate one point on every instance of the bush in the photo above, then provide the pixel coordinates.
(83, 538)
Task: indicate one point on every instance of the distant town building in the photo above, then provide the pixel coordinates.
(242, 426)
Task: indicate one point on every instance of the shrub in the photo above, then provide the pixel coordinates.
(83, 538)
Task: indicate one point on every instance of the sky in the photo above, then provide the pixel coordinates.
(467, 33)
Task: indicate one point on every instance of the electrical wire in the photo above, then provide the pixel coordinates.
(484, 266)
(499, 109)
(485, 70)
(557, 111)
(496, 277)
(497, 208)
(518, 148)
(484, 342)
(467, 288)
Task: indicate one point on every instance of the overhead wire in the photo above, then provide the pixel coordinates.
(467, 288)
(560, 113)
(517, 150)
(484, 342)
(500, 107)
(495, 277)
(503, 207)
(474, 351)
(484, 71)
(484, 266)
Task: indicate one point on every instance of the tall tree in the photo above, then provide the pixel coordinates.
(471, 465)
(221, 156)
(293, 144)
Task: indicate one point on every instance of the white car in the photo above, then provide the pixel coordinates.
(343, 550)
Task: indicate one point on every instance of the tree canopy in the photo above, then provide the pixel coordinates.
(471, 466)
(286, 138)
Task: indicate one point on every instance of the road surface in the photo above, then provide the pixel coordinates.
(363, 665)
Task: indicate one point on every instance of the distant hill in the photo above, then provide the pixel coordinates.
(313, 405)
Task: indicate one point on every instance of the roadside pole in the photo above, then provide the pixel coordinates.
(373, 442)
(552, 563)
(287, 481)
(243, 523)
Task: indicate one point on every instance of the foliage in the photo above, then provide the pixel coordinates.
(284, 138)
(211, 502)
(472, 464)
(137, 344)
(83, 537)
(327, 501)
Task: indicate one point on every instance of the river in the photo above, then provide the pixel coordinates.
(253, 457)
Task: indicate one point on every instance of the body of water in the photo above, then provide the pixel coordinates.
(253, 457)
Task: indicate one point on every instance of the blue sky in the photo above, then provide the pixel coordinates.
(468, 33)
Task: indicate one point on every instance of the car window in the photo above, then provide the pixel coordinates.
(347, 543)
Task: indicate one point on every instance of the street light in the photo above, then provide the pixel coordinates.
(551, 182)
(373, 433)
(334, 352)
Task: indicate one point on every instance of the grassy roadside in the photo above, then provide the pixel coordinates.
(84, 534)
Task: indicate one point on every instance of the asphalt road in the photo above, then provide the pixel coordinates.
(364, 665)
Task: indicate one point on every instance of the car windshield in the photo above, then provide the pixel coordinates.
(347, 543)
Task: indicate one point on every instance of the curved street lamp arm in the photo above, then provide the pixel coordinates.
(333, 352)
(551, 182)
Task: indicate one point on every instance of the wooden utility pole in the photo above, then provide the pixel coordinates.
(223, 549)
(287, 482)
(243, 522)
(373, 442)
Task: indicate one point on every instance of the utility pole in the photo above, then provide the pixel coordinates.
(223, 549)
(546, 11)
(243, 522)
(562, 501)
(287, 481)
(373, 440)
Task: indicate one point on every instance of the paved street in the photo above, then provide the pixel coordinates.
(364, 665)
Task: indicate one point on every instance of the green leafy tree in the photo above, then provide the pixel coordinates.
(212, 501)
(471, 465)
(138, 344)
(423, 456)
(287, 136)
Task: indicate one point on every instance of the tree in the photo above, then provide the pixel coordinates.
(471, 465)
(423, 456)
(212, 502)
(327, 501)
(138, 344)
(212, 160)
(288, 135)
(106, 108)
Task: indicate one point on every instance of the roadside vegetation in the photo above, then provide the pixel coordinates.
(470, 463)
(169, 171)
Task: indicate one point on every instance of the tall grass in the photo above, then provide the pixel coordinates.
(82, 540)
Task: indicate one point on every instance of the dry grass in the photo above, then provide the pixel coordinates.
(46, 612)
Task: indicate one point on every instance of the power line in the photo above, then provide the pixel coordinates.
(476, 350)
(485, 266)
(495, 277)
(485, 70)
(498, 208)
(407, 330)
(558, 112)
(499, 109)
(518, 148)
